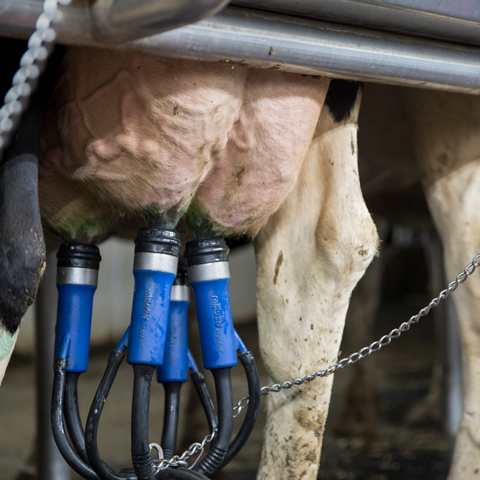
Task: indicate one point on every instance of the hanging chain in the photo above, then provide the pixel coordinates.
(345, 362)
(32, 64)
(377, 345)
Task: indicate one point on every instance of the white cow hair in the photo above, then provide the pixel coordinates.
(310, 255)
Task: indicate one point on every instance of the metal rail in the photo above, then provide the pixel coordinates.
(451, 20)
(270, 41)
(238, 36)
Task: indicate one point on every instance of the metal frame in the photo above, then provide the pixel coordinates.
(451, 20)
(238, 36)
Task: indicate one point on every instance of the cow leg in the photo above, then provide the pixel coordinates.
(22, 250)
(22, 247)
(310, 255)
(358, 414)
(447, 144)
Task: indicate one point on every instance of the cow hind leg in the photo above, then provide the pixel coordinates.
(22, 247)
(358, 414)
(310, 255)
(447, 144)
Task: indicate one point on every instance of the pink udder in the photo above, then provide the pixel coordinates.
(133, 130)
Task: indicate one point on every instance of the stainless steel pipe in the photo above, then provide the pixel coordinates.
(122, 20)
(447, 20)
(238, 36)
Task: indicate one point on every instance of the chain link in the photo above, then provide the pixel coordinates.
(243, 403)
(32, 64)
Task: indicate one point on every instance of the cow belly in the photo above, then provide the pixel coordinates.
(133, 136)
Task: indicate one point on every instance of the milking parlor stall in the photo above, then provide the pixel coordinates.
(265, 166)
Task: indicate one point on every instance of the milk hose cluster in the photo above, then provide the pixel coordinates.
(155, 340)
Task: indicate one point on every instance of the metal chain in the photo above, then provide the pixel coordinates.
(384, 341)
(242, 403)
(194, 448)
(32, 64)
(353, 358)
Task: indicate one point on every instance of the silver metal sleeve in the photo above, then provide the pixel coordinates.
(444, 19)
(121, 20)
(208, 271)
(77, 276)
(180, 293)
(159, 262)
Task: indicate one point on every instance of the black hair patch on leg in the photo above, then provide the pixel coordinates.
(341, 97)
(22, 246)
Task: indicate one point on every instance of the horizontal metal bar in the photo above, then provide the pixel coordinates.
(269, 41)
(448, 20)
(284, 43)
